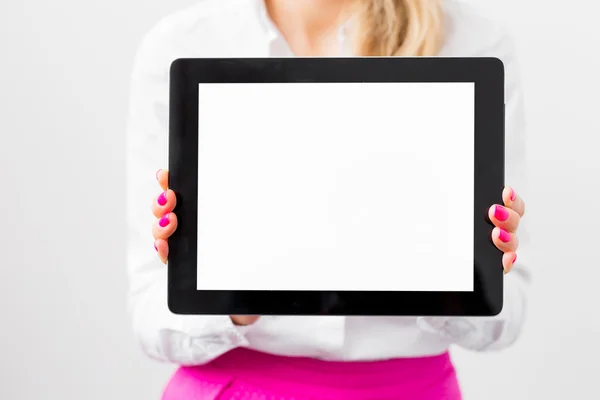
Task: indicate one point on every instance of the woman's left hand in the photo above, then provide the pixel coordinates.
(506, 220)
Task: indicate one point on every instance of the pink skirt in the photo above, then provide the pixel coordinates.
(244, 374)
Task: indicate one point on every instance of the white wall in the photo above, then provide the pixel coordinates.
(64, 331)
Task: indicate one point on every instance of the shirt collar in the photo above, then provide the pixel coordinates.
(273, 32)
(265, 20)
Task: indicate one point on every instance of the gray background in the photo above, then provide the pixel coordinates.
(64, 78)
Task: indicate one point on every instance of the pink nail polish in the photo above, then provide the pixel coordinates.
(504, 236)
(500, 213)
(157, 172)
(515, 259)
(513, 195)
(155, 248)
(162, 199)
(164, 221)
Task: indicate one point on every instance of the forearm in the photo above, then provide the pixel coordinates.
(487, 333)
(179, 339)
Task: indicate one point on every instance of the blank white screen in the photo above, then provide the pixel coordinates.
(336, 186)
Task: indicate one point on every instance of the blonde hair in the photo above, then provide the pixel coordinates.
(399, 27)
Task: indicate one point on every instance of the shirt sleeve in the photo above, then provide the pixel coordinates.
(181, 339)
(495, 333)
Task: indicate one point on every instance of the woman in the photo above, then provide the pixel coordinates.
(244, 357)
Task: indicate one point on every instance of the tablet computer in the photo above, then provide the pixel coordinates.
(336, 186)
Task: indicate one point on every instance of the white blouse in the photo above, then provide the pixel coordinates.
(242, 28)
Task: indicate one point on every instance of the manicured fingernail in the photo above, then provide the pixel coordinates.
(155, 248)
(500, 213)
(162, 199)
(158, 172)
(515, 259)
(164, 221)
(504, 236)
(513, 195)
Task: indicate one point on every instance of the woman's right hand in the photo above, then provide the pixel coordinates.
(166, 224)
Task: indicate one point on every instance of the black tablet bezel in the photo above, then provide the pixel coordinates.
(487, 74)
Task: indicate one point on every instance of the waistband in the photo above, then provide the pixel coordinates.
(351, 380)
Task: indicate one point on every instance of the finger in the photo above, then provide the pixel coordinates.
(164, 203)
(504, 240)
(162, 176)
(162, 248)
(508, 261)
(164, 227)
(504, 217)
(513, 201)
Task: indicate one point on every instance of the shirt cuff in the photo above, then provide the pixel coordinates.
(485, 333)
(468, 332)
(204, 338)
(180, 339)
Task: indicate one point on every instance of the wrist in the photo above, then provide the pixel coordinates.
(243, 320)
